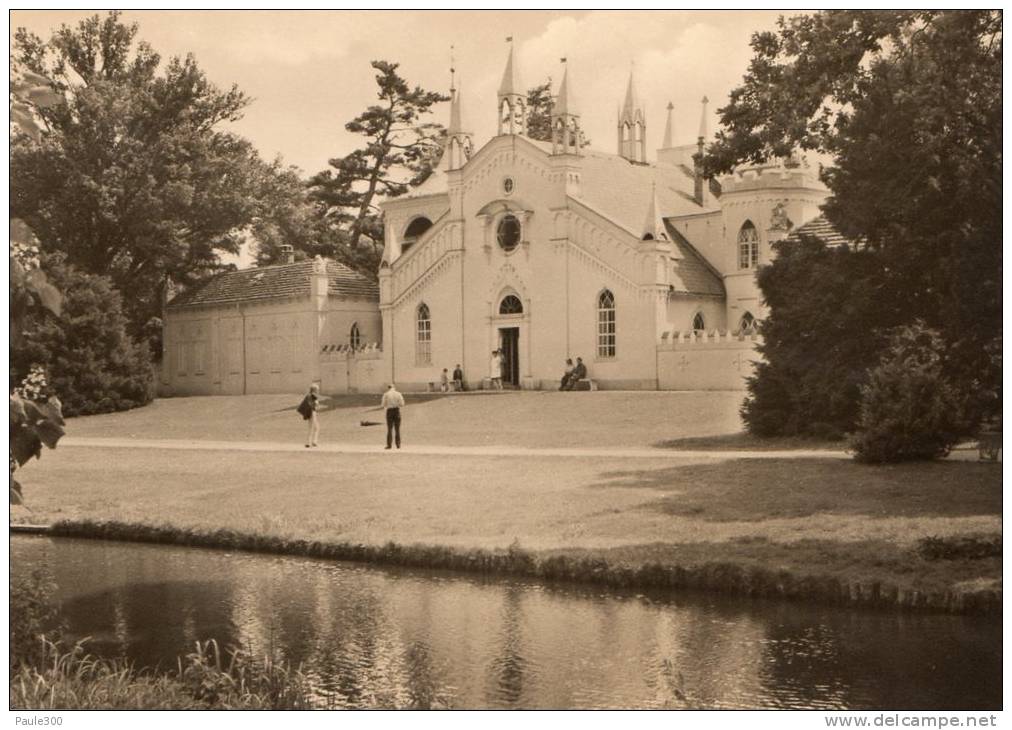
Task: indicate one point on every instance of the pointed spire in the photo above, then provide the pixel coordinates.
(653, 226)
(565, 104)
(703, 134)
(669, 131)
(631, 99)
(511, 76)
(456, 114)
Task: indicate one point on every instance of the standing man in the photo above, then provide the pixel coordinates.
(495, 371)
(458, 378)
(392, 403)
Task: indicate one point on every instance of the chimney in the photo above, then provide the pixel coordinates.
(287, 254)
(701, 184)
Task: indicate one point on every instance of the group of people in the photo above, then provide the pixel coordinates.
(574, 374)
(391, 403)
(457, 384)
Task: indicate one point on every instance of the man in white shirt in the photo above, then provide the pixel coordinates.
(495, 371)
(392, 403)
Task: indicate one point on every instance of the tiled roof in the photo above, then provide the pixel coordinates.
(691, 273)
(622, 190)
(275, 282)
(823, 229)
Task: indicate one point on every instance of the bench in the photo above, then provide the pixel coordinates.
(585, 384)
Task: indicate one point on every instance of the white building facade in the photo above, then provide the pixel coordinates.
(552, 250)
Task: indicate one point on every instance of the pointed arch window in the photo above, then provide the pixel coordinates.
(606, 331)
(511, 304)
(355, 337)
(423, 336)
(748, 246)
(747, 324)
(698, 322)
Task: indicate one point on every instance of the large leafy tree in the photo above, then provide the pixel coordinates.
(134, 178)
(908, 105)
(400, 150)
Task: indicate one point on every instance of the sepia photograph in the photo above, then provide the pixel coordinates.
(506, 360)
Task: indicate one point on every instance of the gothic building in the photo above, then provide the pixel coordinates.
(550, 249)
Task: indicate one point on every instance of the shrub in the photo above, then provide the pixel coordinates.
(960, 547)
(93, 365)
(819, 340)
(909, 410)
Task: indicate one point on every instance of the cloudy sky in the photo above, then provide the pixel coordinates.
(309, 72)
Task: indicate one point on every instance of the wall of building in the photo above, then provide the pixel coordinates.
(343, 370)
(341, 313)
(711, 361)
(206, 349)
(567, 257)
(268, 347)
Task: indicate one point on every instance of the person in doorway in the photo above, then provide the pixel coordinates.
(579, 373)
(458, 378)
(392, 403)
(495, 370)
(444, 383)
(307, 409)
(567, 375)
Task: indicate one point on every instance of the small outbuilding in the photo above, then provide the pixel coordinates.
(261, 330)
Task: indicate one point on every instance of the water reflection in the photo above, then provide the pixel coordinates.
(370, 637)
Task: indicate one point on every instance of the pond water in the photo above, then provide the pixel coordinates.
(370, 636)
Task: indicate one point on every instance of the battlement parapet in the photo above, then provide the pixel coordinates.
(690, 338)
(371, 351)
(766, 177)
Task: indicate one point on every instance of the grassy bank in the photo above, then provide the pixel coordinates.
(864, 574)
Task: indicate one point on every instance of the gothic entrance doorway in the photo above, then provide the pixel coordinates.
(509, 343)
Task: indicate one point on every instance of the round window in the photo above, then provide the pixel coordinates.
(508, 185)
(508, 233)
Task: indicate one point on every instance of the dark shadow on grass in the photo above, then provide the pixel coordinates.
(746, 441)
(759, 489)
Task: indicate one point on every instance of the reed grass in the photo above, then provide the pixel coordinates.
(207, 678)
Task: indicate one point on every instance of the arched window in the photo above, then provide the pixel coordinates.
(698, 323)
(747, 323)
(414, 231)
(355, 337)
(423, 341)
(511, 305)
(748, 246)
(606, 324)
(508, 232)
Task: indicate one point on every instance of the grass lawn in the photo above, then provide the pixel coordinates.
(529, 419)
(810, 517)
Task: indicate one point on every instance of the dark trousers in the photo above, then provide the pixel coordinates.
(394, 426)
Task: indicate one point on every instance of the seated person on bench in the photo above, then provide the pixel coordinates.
(579, 373)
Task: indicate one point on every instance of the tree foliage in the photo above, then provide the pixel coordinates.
(908, 408)
(909, 105)
(89, 358)
(817, 345)
(36, 418)
(401, 149)
(133, 178)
